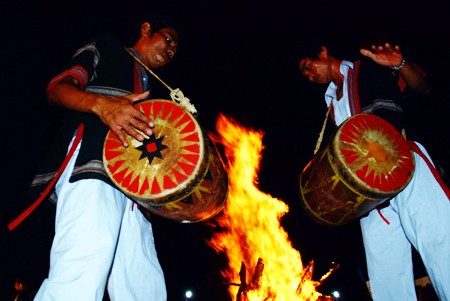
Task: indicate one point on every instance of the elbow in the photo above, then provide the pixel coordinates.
(57, 91)
(424, 89)
(51, 95)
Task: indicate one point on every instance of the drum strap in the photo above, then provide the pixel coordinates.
(176, 94)
(383, 217)
(16, 222)
(353, 93)
(433, 169)
(319, 140)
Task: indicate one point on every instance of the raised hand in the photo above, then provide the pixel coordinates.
(385, 55)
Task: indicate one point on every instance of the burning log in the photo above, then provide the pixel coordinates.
(307, 275)
(256, 280)
(255, 284)
(243, 285)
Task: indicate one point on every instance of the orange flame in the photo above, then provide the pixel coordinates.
(253, 237)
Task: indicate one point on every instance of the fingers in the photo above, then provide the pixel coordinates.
(366, 52)
(124, 119)
(385, 49)
(137, 97)
(120, 135)
(143, 123)
(138, 124)
(136, 118)
(133, 128)
(128, 130)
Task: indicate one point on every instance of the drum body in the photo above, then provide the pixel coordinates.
(166, 167)
(207, 199)
(366, 162)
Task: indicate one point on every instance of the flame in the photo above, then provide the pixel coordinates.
(251, 235)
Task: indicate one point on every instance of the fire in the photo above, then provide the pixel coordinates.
(251, 235)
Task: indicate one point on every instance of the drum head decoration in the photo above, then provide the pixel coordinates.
(166, 166)
(373, 154)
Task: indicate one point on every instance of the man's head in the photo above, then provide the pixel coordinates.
(315, 65)
(158, 41)
(318, 57)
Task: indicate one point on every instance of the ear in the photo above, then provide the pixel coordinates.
(323, 54)
(146, 29)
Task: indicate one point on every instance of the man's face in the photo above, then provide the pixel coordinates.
(161, 47)
(316, 70)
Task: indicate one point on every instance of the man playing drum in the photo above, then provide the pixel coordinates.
(102, 239)
(419, 214)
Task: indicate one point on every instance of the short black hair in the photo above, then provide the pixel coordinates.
(310, 47)
(157, 22)
(340, 45)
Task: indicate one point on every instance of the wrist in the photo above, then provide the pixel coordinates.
(397, 68)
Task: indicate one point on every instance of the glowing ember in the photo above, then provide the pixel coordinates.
(252, 237)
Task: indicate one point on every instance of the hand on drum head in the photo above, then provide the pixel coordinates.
(119, 114)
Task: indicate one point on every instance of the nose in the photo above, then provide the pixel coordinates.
(309, 75)
(171, 53)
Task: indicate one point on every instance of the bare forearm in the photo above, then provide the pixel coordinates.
(68, 94)
(414, 79)
(118, 113)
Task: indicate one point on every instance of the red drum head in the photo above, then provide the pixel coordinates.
(373, 155)
(166, 166)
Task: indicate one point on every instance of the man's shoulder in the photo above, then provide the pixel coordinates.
(108, 46)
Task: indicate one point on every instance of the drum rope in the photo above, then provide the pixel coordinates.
(319, 141)
(176, 94)
(430, 165)
(18, 220)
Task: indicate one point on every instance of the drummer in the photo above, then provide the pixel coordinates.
(101, 239)
(419, 215)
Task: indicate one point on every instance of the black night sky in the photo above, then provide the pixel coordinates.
(235, 58)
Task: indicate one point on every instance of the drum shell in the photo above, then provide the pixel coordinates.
(331, 191)
(206, 201)
(328, 197)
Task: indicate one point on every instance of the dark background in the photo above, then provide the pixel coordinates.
(237, 58)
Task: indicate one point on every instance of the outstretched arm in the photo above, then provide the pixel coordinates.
(389, 56)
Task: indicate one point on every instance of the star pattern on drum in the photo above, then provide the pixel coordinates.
(177, 158)
(151, 148)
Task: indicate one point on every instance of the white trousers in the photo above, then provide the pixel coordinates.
(419, 216)
(101, 239)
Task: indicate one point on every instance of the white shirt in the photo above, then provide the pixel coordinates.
(341, 107)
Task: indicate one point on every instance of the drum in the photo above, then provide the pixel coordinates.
(207, 199)
(167, 166)
(366, 162)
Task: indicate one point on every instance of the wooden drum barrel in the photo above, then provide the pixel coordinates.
(207, 199)
(366, 162)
